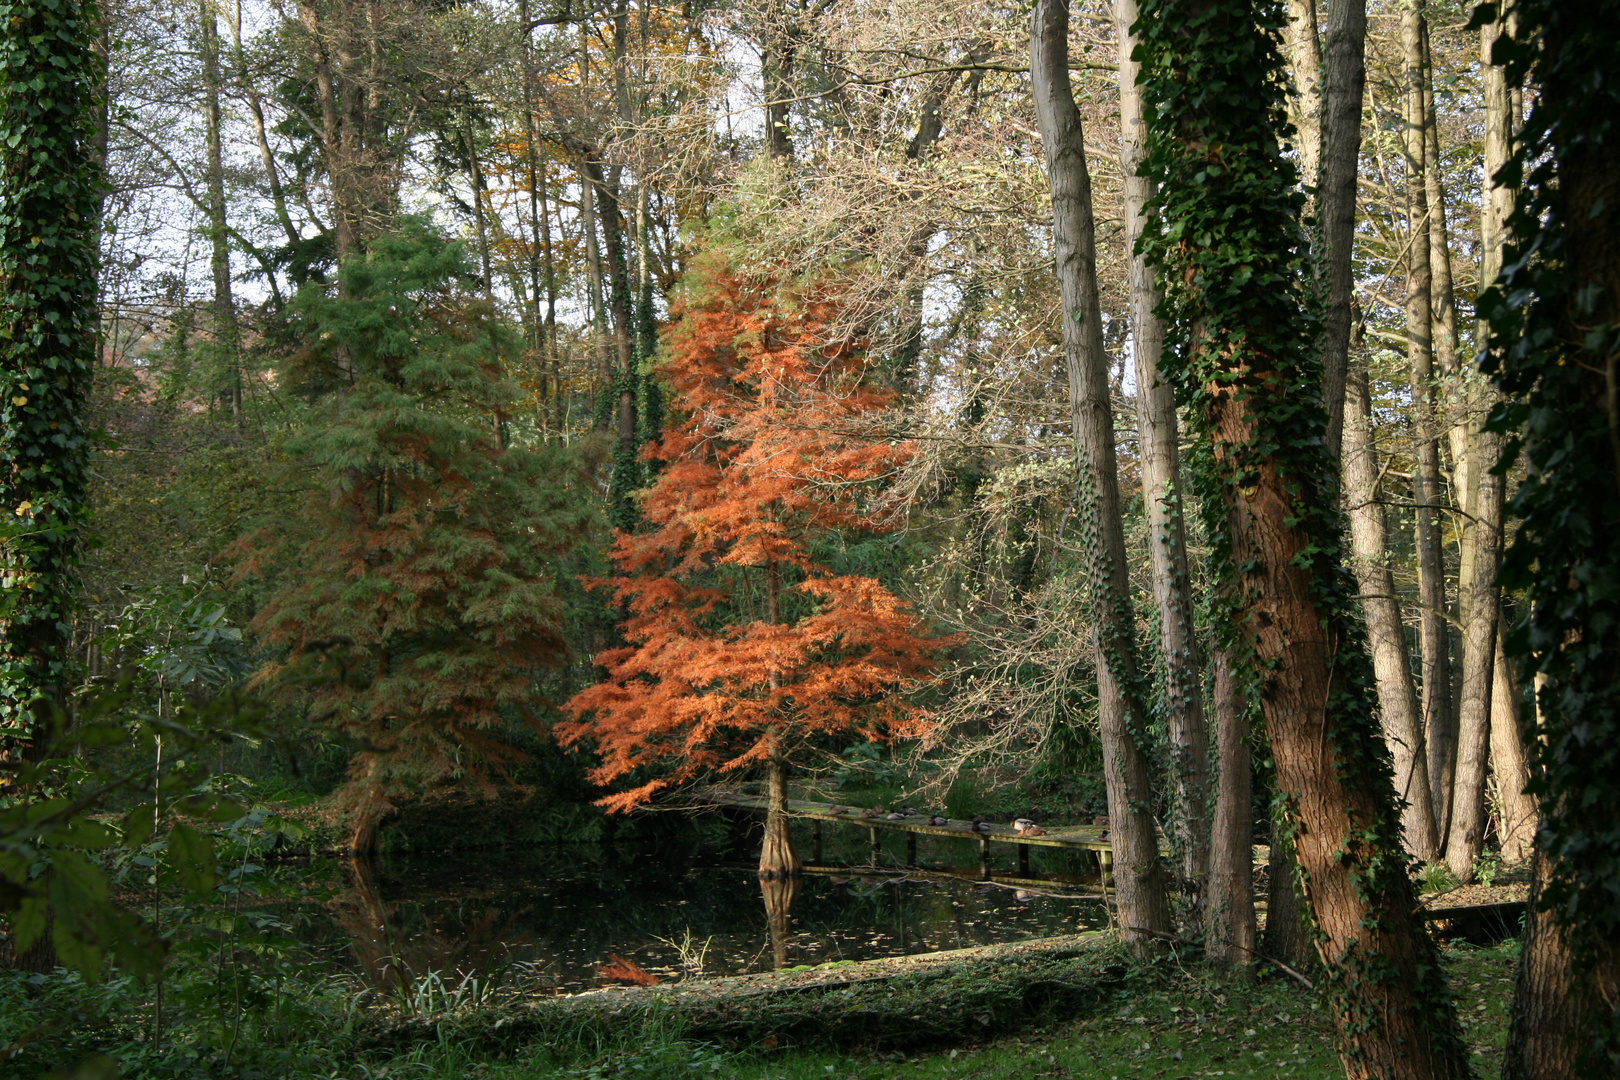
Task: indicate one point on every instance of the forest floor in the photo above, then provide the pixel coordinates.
(1066, 1009)
(1167, 1021)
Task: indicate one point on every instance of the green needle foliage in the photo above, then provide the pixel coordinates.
(414, 597)
(49, 220)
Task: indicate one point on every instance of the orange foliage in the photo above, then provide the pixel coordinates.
(620, 970)
(739, 644)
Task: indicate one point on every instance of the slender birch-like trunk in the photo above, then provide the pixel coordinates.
(1162, 494)
(1516, 831)
(1303, 45)
(1433, 632)
(1386, 632)
(1344, 78)
(1143, 903)
(1229, 928)
(226, 337)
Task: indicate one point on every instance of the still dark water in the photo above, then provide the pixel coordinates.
(548, 918)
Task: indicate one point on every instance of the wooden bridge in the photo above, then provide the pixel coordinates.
(1075, 837)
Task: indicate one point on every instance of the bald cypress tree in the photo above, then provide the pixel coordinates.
(418, 584)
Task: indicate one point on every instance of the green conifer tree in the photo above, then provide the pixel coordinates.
(419, 582)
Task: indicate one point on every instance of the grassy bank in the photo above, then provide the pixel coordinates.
(1067, 1013)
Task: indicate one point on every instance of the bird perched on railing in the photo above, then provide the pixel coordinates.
(871, 812)
(834, 811)
(979, 824)
(896, 816)
(936, 820)
(1025, 827)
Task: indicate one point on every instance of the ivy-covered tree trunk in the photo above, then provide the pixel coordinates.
(1142, 898)
(1160, 458)
(49, 224)
(1554, 350)
(1228, 236)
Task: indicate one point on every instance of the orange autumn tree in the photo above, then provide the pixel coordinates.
(740, 646)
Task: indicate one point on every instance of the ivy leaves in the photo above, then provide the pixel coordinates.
(49, 213)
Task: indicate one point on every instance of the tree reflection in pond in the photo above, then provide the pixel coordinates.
(547, 918)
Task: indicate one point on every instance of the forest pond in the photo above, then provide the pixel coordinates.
(546, 919)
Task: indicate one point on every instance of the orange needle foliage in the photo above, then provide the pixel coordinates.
(740, 644)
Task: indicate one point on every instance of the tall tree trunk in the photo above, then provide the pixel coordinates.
(596, 297)
(1467, 835)
(1508, 754)
(777, 56)
(1444, 307)
(1303, 45)
(1386, 632)
(1433, 632)
(334, 143)
(1229, 929)
(261, 137)
(475, 174)
(1344, 80)
(1162, 495)
(224, 313)
(1556, 357)
(51, 189)
(1516, 831)
(1544, 1028)
(1141, 895)
(1236, 259)
(777, 859)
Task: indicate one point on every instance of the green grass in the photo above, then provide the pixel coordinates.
(1167, 1022)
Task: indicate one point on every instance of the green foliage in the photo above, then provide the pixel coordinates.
(49, 220)
(1554, 319)
(51, 879)
(414, 597)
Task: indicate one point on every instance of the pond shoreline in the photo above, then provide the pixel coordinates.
(892, 1003)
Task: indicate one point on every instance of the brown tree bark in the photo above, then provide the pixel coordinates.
(1160, 461)
(1386, 632)
(1516, 828)
(1509, 759)
(1439, 722)
(777, 859)
(1543, 1031)
(223, 319)
(1303, 44)
(1466, 839)
(1229, 928)
(1343, 84)
(1143, 903)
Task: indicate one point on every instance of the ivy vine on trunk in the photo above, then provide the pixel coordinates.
(49, 221)
(1227, 239)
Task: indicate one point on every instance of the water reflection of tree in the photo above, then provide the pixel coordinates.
(779, 894)
(396, 942)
